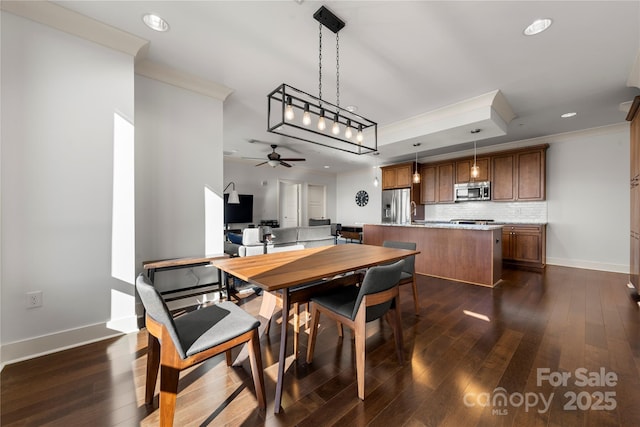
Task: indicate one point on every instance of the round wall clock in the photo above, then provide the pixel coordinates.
(362, 198)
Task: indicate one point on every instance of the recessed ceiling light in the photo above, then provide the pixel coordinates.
(351, 108)
(567, 115)
(537, 26)
(155, 22)
(327, 166)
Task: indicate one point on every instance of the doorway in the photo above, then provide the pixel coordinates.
(289, 204)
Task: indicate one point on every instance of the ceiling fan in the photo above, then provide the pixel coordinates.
(275, 159)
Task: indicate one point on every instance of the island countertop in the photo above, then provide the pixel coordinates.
(462, 252)
(448, 225)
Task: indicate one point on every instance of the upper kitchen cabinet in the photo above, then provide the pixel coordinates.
(428, 182)
(397, 176)
(445, 182)
(437, 183)
(463, 170)
(519, 175)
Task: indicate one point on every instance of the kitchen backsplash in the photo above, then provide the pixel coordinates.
(524, 212)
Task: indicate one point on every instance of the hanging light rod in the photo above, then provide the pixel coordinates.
(297, 114)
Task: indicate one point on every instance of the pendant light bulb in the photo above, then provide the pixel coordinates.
(306, 116)
(348, 133)
(359, 136)
(375, 181)
(322, 124)
(335, 129)
(288, 110)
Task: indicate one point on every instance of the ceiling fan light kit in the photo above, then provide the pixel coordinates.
(274, 159)
(297, 114)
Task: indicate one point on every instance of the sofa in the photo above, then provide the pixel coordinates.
(249, 243)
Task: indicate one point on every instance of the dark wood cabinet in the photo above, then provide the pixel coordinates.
(463, 170)
(524, 245)
(445, 183)
(519, 176)
(436, 183)
(634, 185)
(503, 173)
(397, 176)
(428, 184)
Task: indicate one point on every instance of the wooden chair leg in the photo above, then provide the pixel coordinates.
(168, 391)
(397, 332)
(340, 331)
(229, 357)
(315, 319)
(415, 294)
(296, 328)
(153, 364)
(360, 336)
(255, 357)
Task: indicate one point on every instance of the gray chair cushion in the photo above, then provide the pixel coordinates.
(346, 301)
(157, 309)
(207, 327)
(198, 330)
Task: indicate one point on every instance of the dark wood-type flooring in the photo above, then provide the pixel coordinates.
(460, 369)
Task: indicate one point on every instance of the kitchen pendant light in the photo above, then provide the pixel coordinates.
(416, 174)
(475, 170)
(360, 134)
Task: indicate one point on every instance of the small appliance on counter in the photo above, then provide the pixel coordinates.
(468, 191)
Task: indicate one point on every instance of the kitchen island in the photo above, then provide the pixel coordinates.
(462, 252)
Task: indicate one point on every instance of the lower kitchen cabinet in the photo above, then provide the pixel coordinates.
(524, 245)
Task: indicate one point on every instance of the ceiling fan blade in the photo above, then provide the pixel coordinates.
(285, 164)
(263, 163)
(293, 160)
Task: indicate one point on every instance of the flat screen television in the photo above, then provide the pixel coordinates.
(238, 213)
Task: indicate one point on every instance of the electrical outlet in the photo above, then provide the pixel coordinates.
(34, 299)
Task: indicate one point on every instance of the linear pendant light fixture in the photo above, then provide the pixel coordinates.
(300, 115)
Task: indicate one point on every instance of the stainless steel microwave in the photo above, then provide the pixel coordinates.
(468, 191)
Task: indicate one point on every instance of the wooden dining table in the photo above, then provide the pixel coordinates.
(325, 267)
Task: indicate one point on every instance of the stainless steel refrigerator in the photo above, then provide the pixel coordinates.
(396, 206)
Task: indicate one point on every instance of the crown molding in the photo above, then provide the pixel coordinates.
(74, 23)
(182, 79)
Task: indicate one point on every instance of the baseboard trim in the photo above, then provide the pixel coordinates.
(589, 265)
(52, 343)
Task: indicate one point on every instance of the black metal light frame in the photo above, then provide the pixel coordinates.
(302, 101)
(277, 123)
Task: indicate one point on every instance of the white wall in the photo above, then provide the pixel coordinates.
(262, 182)
(588, 199)
(178, 164)
(349, 183)
(59, 95)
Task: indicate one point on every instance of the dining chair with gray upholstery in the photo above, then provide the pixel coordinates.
(408, 275)
(178, 343)
(354, 306)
